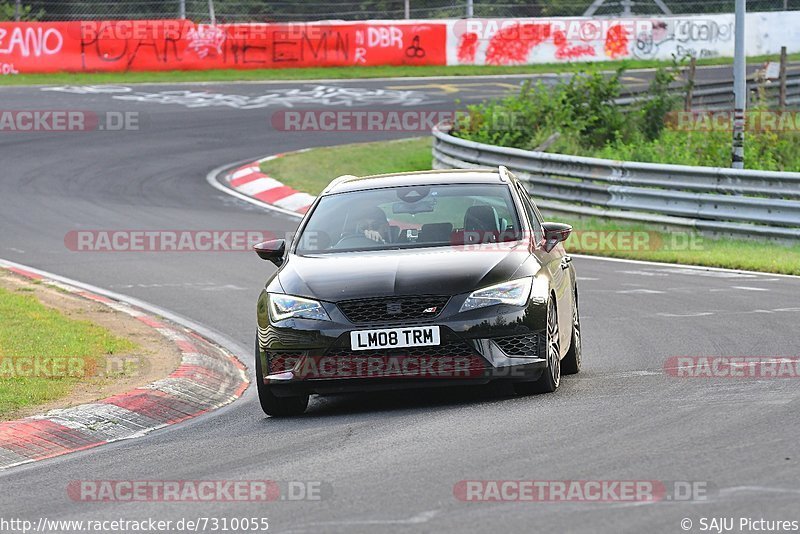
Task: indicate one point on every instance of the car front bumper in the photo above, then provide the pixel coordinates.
(301, 356)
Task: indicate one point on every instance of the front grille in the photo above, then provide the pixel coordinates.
(386, 309)
(524, 345)
(281, 361)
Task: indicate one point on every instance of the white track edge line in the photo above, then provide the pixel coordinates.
(682, 266)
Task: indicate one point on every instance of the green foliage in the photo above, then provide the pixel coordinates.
(583, 112)
(583, 107)
(654, 110)
(26, 12)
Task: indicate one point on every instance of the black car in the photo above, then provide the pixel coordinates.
(416, 280)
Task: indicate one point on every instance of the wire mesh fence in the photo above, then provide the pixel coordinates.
(293, 10)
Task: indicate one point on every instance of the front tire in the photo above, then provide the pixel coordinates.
(571, 364)
(276, 406)
(551, 376)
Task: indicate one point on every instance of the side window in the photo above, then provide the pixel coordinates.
(534, 216)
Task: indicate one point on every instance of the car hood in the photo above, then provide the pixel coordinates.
(432, 271)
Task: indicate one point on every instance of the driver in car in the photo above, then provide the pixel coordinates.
(372, 224)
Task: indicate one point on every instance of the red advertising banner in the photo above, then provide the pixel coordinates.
(91, 46)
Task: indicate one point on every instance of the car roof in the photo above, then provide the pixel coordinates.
(437, 177)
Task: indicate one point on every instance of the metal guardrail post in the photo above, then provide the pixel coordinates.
(690, 83)
(739, 88)
(782, 76)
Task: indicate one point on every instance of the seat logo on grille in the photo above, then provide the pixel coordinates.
(393, 308)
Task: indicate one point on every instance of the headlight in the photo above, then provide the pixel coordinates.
(515, 293)
(283, 307)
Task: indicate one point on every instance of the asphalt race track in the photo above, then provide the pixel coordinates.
(392, 460)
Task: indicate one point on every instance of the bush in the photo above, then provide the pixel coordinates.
(583, 112)
(582, 107)
(26, 13)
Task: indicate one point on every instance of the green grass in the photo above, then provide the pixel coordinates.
(233, 75)
(687, 248)
(312, 170)
(32, 330)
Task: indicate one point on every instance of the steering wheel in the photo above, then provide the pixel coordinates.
(355, 241)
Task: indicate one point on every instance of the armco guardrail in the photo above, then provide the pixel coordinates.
(718, 95)
(718, 200)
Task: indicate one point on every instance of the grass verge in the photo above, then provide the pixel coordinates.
(681, 247)
(316, 73)
(31, 332)
(310, 171)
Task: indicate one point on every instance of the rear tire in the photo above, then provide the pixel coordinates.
(276, 406)
(551, 376)
(571, 364)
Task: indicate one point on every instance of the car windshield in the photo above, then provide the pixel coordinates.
(411, 216)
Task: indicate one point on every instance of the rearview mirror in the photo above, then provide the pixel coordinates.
(271, 250)
(555, 233)
(422, 206)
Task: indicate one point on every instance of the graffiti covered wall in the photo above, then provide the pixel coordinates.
(529, 41)
(183, 45)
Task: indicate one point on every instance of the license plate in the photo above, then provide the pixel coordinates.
(395, 338)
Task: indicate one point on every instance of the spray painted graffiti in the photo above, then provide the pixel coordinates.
(26, 42)
(509, 42)
(507, 48)
(319, 95)
(88, 89)
(693, 37)
(565, 50)
(617, 43)
(8, 69)
(529, 41)
(467, 48)
(120, 46)
(204, 40)
(152, 45)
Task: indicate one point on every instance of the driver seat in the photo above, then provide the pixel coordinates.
(481, 224)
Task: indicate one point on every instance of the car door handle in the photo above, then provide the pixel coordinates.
(565, 261)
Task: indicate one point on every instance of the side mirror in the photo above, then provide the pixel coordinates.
(271, 250)
(555, 233)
